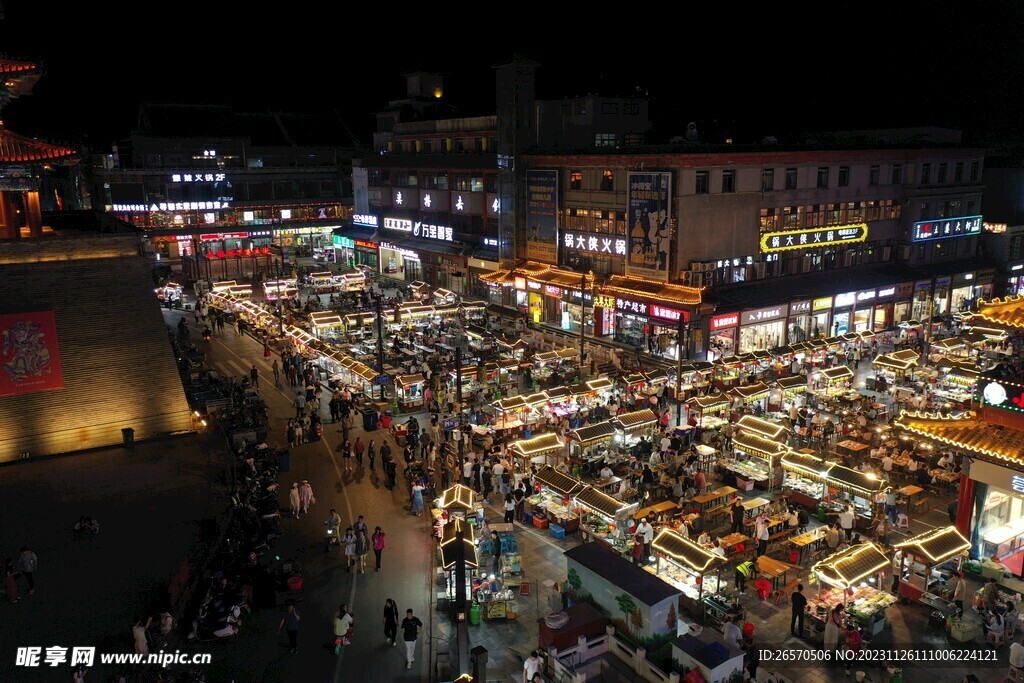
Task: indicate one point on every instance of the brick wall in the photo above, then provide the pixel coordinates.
(118, 367)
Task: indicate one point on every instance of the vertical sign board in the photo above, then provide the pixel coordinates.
(29, 354)
(542, 216)
(648, 220)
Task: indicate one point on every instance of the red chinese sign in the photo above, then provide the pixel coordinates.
(29, 355)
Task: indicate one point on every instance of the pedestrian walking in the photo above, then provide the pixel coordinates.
(417, 498)
(254, 375)
(27, 563)
(344, 430)
(371, 453)
(277, 373)
(799, 603)
(359, 448)
(410, 632)
(293, 500)
(306, 497)
(300, 404)
(510, 508)
(378, 538)
(290, 623)
(346, 455)
(349, 544)
(238, 327)
(362, 550)
(390, 621)
(495, 554)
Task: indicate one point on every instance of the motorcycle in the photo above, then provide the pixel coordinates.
(333, 537)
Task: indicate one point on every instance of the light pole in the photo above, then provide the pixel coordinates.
(679, 368)
(583, 320)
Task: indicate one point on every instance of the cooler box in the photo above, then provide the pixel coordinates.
(744, 485)
(964, 631)
(556, 531)
(540, 522)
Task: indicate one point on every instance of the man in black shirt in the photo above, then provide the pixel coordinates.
(799, 602)
(737, 513)
(410, 631)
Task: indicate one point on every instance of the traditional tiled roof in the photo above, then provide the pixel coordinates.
(685, 551)
(559, 482)
(938, 544)
(638, 418)
(898, 360)
(557, 354)
(750, 392)
(948, 344)
(602, 431)
(538, 445)
(792, 383)
(16, 66)
(1006, 312)
(499, 278)
(855, 480)
(709, 401)
(670, 294)
(764, 428)
(16, 148)
(850, 567)
(751, 443)
(601, 502)
(837, 373)
(805, 464)
(409, 380)
(967, 432)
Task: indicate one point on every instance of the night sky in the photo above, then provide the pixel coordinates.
(939, 63)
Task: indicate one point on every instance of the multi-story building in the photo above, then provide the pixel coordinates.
(210, 180)
(788, 243)
(1003, 235)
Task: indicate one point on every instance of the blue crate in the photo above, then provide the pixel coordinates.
(556, 531)
(527, 517)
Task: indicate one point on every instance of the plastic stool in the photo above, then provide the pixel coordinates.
(902, 521)
(996, 638)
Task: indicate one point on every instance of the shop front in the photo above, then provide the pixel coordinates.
(1014, 284)
(842, 313)
(821, 317)
(997, 527)
(921, 305)
(874, 309)
(967, 288)
(574, 305)
(903, 303)
(763, 328)
(400, 263)
(315, 241)
(940, 298)
(649, 326)
(366, 253)
(798, 326)
(723, 335)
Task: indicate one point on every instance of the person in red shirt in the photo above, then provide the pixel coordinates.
(853, 643)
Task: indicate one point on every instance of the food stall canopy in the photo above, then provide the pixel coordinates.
(836, 374)
(851, 566)
(685, 551)
(897, 360)
(325, 319)
(444, 295)
(514, 344)
(949, 344)
(709, 401)
(909, 324)
(591, 434)
(780, 351)
(603, 504)
(511, 403)
(410, 380)
(806, 464)
(364, 372)
(638, 418)
(751, 443)
(560, 483)
(634, 378)
(836, 341)
(538, 445)
(697, 366)
(415, 311)
(751, 392)
(851, 336)
(241, 291)
(793, 383)
(418, 286)
(473, 305)
(655, 377)
(800, 347)
(449, 540)
(557, 354)
(558, 394)
(223, 286)
(458, 496)
(477, 332)
(728, 361)
(762, 355)
(866, 483)
(866, 334)
(815, 344)
(763, 428)
(536, 399)
(747, 358)
(938, 545)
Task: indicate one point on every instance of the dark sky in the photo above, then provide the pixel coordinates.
(844, 65)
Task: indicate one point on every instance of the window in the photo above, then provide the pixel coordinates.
(579, 107)
(769, 219)
(873, 174)
(609, 107)
(631, 107)
(925, 210)
(728, 181)
(604, 140)
(844, 176)
(823, 176)
(767, 179)
(790, 178)
(958, 172)
(920, 252)
(942, 173)
(974, 171)
(926, 173)
(970, 207)
(1016, 242)
(897, 174)
(703, 182)
(607, 181)
(575, 180)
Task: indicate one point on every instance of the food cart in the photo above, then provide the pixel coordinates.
(554, 499)
(540, 450)
(409, 391)
(896, 365)
(835, 381)
(750, 394)
(444, 296)
(587, 445)
(280, 289)
(712, 410)
(951, 347)
(926, 561)
(804, 478)
(352, 282)
(420, 290)
(687, 566)
(763, 443)
(630, 426)
(852, 577)
(326, 325)
(728, 370)
(863, 489)
(956, 381)
(548, 362)
(323, 282)
(696, 376)
(170, 294)
(604, 519)
(790, 388)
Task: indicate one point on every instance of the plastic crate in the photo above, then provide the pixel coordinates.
(540, 522)
(556, 531)
(527, 517)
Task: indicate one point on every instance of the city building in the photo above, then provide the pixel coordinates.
(236, 188)
(1003, 229)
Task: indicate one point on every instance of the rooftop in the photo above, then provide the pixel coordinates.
(968, 432)
(621, 573)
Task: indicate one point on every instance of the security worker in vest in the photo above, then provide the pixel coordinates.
(744, 571)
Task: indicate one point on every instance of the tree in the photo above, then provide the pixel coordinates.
(670, 621)
(626, 604)
(574, 579)
(638, 620)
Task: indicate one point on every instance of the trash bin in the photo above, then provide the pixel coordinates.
(369, 419)
(128, 436)
(284, 461)
(474, 614)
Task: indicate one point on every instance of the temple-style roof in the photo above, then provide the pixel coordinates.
(636, 419)
(967, 432)
(806, 464)
(685, 551)
(602, 503)
(850, 567)
(1007, 312)
(837, 373)
(793, 383)
(752, 443)
(938, 544)
(763, 428)
(16, 66)
(670, 294)
(538, 445)
(750, 392)
(558, 482)
(18, 149)
(948, 344)
(842, 477)
(709, 401)
(602, 431)
(19, 77)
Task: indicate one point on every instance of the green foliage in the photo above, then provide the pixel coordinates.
(626, 604)
(574, 579)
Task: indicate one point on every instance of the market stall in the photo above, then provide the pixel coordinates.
(897, 365)
(790, 388)
(604, 519)
(956, 380)
(804, 478)
(712, 410)
(588, 445)
(280, 289)
(696, 376)
(409, 392)
(540, 450)
(444, 296)
(728, 370)
(851, 577)
(420, 290)
(351, 282)
(750, 395)
(448, 551)
(862, 489)
(326, 325)
(927, 561)
(323, 282)
(553, 501)
(688, 567)
(630, 427)
(951, 347)
(833, 382)
(759, 447)
(170, 294)
(548, 363)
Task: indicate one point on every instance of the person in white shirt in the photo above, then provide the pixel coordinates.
(733, 634)
(718, 549)
(846, 519)
(531, 666)
(666, 443)
(606, 472)
(704, 539)
(1016, 655)
(912, 465)
(655, 458)
(887, 463)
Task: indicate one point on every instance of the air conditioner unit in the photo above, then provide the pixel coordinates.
(708, 267)
(696, 265)
(760, 271)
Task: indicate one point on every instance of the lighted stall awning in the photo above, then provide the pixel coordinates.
(686, 552)
(513, 344)
(449, 543)
(560, 483)
(835, 341)
(458, 497)
(473, 305)
(866, 334)
(855, 481)
(223, 286)
(634, 378)
(851, 336)
(364, 372)
(443, 295)
(747, 358)
(638, 418)
(850, 567)
(508, 404)
(325, 319)
(536, 399)
(407, 312)
(418, 286)
(410, 380)
(538, 445)
(656, 377)
(762, 428)
(556, 355)
(762, 355)
(949, 344)
(792, 384)
(591, 434)
(938, 545)
(600, 384)
(806, 465)
(558, 394)
(836, 374)
(897, 360)
(498, 278)
(749, 393)
(800, 347)
(728, 361)
(709, 402)
(603, 504)
(780, 351)
(756, 445)
(816, 344)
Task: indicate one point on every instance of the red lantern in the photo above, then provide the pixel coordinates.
(231, 253)
(220, 254)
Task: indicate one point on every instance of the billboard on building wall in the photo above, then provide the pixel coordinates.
(542, 216)
(29, 353)
(649, 224)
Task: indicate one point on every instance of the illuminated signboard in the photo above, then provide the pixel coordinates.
(594, 243)
(997, 228)
(343, 242)
(764, 314)
(402, 224)
(808, 238)
(198, 178)
(1001, 394)
(217, 236)
(631, 306)
(441, 233)
(604, 301)
(131, 207)
(946, 227)
(822, 304)
(845, 299)
(520, 282)
(533, 285)
(551, 290)
(365, 219)
(664, 313)
(172, 206)
(411, 255)
(888, 291)
(866, 295)
(801, 307)
(366, 244)
(727, 320)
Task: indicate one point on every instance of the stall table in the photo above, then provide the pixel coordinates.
(809, 540)
(734, 539)
(922, 557)
(773, 569)
(851, 447)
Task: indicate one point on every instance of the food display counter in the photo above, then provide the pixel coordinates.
(323, 282)
(762, 442)
(280, 289)
(630, 427)
(409, 391)
(804, 478)
(850, 574)
(554, 500)
(688, 567)
(170, 294)
(920, 560)
(603, 518)
(712, 410)
(864, 488)
(326, 325)
(539, 450)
